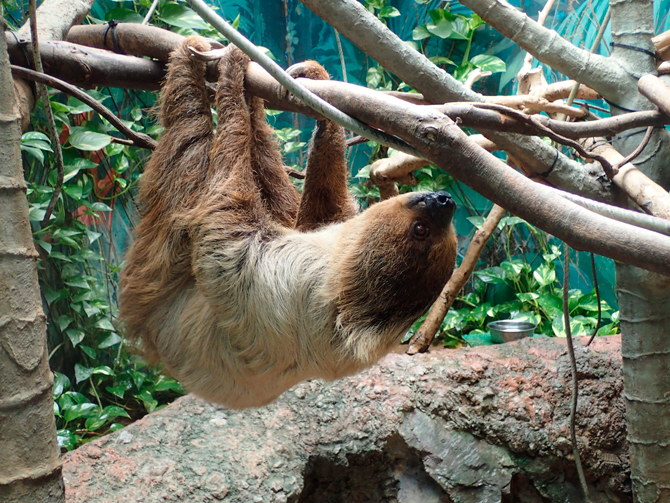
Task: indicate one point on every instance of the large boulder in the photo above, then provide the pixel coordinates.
(480, 425)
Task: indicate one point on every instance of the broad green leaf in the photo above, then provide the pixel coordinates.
(545, 275)
(105, 324)
(420, 33)
(80, 410)
(528, 316)
(164, 383)
(112, 340)
(75, 336)
(61, 383)
(103, 370)
(551, 304)
(83, 139)
(77, 282)
(35, 152)
(475, 22)
(441, 60)
(527, 297)
(180, 15)
(488, 63)
(441, 28)
(64, 321)
(124, 15)
(477, 221)
(66, 439)
(77, 107)
(82, 373)
(98, 206)
(35, 135)
(138, 378)
(388, 11)
(148, 400)
(494, 275)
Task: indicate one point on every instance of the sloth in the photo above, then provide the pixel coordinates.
(241, 286)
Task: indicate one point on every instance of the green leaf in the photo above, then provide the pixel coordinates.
(75, 336)
(180, 15)
(64, 321)
(551, 304)
(118, 426)
(107, 414)
(441, 28)
(510, 221)
(80, 410)
(82, 373)
(514, 268)
(69, 398)
(124, 15)
(441, 60)
(164, 383)
(148, 400)
(66, 439)
(138, 378)
(528, 316)
(477, 221)
(475, 22)
(61, 383)
(105, 324)
(35, 135)
(78, 283)
(77, 107)
(83, 139)
(98, 206)
(388, 11)
(112, 340)
(545, 275)
(35, 152)
(495, 275)
(420, 33)
(374, 77)
(527, 297)
(488, 63)
(103, 370)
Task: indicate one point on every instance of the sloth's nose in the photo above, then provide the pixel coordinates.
(439, 206)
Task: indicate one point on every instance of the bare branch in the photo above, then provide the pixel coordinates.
(655, 91)
(548, 47)
(57, 16)
(650, 196)
(353, 21)
(138, 139)
(662, 45)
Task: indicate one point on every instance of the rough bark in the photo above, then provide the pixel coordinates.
(479, 425)
(30, 467)
(643, 297)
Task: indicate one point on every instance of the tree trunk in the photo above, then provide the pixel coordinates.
(30, 466)
(644, 298)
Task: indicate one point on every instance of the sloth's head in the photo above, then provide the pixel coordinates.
(398, 256)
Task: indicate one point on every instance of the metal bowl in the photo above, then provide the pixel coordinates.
(510, 330)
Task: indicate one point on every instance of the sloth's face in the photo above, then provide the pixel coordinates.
(398, 256)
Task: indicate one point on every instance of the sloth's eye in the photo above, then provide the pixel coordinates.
(420, 230)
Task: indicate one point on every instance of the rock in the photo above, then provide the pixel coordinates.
(479, 425)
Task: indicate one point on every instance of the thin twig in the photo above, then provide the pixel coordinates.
(637, 151)
(610, 170)
(139, 139)
(152, 9)
(51, 123)
(595, 285)
(573, 365)
(339, 49)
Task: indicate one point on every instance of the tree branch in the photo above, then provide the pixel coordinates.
(597, 72)
(138, 139)
(362, 28)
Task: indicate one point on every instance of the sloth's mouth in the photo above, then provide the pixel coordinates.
(436, 207)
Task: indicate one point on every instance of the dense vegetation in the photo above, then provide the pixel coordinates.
(100, 383)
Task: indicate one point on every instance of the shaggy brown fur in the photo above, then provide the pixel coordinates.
(225, 285)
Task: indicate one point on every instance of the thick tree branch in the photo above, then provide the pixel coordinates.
(362, 28)
(448, 147)
(597, 72)
(87, 67)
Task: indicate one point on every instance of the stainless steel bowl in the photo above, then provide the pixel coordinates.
(510, 330)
